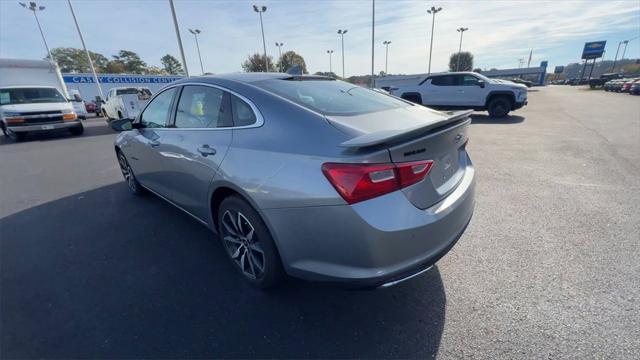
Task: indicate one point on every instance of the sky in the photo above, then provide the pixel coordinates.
(500, 32)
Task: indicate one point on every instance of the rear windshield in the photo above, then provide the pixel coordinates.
(331, 97)
(30, 96)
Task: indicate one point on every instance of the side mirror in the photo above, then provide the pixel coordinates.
(121, 125)
(481, 83)
(77, 98)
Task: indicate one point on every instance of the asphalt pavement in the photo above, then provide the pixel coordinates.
(548, 268)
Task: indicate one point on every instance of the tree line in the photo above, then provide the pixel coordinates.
(72, 60)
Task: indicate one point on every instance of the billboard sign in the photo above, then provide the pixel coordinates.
(558, 70)
(593, 50)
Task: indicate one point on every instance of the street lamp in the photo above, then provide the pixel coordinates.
(386, 56)
(279, 45)
(625, 49)
(33, 7)
(461, 31)
(195, 33)
(373, 38)
(260, 10)
(432, 11)
(342, 32)
(330, 52)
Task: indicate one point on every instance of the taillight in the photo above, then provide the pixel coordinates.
(359, 182)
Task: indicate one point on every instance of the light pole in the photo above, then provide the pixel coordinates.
(342, 32)
(330, 52)
(195, 33)
(175, 24)
(386, 56)
(373, 37)
(625, 49)
(433, 11)
(461, 31)
(93, 70)
(613, 68)
(279, 45)
(33, 7)
(260, 10)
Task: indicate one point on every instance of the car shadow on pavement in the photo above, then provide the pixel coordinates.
(107, 274)
(486, 119)
(62, 134)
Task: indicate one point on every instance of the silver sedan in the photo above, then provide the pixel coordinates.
(306, 176)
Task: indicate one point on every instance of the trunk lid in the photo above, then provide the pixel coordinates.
(411, 134)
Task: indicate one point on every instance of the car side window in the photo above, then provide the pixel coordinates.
(445, 80)
(155, 115)
(243, 114)
(469, 80)
(203, 107)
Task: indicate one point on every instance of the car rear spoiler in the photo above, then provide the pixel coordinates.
(394, 136)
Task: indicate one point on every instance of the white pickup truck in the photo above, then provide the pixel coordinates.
(125, 102)
(33, 98)
(465, 90)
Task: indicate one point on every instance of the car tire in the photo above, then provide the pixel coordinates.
(248, 243)
(499, 106)
(129, 176)
(4, 130)
(77, 130)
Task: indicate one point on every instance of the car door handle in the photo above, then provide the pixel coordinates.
(206, 150)
(153, 143)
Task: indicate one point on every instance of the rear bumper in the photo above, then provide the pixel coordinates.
(45, 126)
(373, 243)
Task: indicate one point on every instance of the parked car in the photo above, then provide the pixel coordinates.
(594, 83)
(78, 104)
(465, 90)
(306, 176)
(635, 88)
(91, 107)
(626, 86)
(33, 98)
(125, 102)
(524, 82)
(617, 85)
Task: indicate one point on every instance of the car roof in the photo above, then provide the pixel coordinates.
(250, 77)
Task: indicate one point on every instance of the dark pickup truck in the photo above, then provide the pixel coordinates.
(594, 83)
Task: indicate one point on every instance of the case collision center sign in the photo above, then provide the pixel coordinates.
(120, 79)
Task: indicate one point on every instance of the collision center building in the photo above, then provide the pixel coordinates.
(88, 90)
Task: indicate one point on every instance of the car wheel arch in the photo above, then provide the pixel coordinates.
(224, 190)
(508, 94)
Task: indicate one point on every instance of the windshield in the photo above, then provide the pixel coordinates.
(331, 97)
(30, 96)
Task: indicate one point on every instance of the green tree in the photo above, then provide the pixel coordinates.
(171, 65)
(131, 61)
(466, 61)
(477, 70)
(255, 63)
(72, 60)
(115, 67)
(327, 73)
(155, 70)
(291, 59)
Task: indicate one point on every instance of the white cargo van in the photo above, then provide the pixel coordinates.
(33, 98)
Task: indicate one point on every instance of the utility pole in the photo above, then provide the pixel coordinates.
(432, 11)
(461, 31)
(342, 32)
(260, 10)
(330, 52)
(175, 24)
(615, 59)
(279, 45)
(93, 70)
(195, 33)
(386, 57)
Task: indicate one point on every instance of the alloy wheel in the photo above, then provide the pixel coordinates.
(242, 244)
(126, 172)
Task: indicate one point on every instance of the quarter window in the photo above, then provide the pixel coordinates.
(203, 107)
(469, 80)
(243, 114)
(157, 112)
